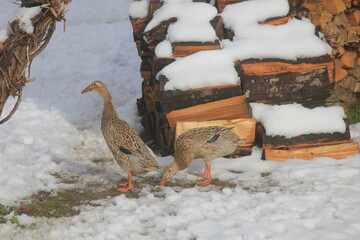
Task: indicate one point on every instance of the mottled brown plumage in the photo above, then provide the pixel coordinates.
(207, 143)
(128, 149)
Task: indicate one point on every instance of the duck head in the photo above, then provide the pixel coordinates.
(100, 88)
(96, 86)
(168, 172)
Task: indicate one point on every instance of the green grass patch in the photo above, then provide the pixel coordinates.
(5, 211)
(353, 111)
(64, 202)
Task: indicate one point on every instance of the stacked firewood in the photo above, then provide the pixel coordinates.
(168, 112)
(339, 21)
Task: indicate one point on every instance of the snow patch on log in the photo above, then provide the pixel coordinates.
(139, 9)
(193, 21)
(292, 120)
(292, 40)
(164, 49)
(202, 69)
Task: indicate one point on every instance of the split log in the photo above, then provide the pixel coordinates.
(310, 89)
(340, 72)
(243, 127)
(336, 151)
(227, 109)
(354, 17)
(348, 83)
(175, 100)
(349, 59)
(332, 6)
(182, 49)
(353, 34)
(277, 66)
(325, 18)
(342, 21)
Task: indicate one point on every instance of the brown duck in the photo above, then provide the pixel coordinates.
(128, 149)
(207, 143)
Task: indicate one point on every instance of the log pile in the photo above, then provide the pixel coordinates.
(167, 113)
(339, 21)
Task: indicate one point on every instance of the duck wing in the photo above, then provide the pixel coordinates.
(124, 140)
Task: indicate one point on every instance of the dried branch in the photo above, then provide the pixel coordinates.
(19, 50)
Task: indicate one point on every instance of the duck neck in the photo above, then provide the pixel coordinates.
(182, 159)
(109, 111)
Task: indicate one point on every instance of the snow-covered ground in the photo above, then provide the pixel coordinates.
(57, 130)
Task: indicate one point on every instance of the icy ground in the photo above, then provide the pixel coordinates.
(57, 130)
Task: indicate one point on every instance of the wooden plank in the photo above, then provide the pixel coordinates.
(276, 67)
(243, 127)
(231, 108)
(336, 151)
(287, 87)
(182, 49)
(174, 100)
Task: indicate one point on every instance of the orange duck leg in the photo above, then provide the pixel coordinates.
(207, 175)
(128, 184)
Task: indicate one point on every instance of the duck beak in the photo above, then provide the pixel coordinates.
(163, 181)
(87, 89)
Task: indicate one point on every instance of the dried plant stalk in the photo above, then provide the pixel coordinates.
(18, 51)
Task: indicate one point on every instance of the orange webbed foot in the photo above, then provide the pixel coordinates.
(200, 175)
(122, 183)
(125, 189)
(204, 182)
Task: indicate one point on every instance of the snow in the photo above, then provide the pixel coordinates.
(25, 14)
(139, 9)
(10, 12)
(163, 49)
(203, 69)
(57, 130)
(293, 40)
(193, 21)
(292, 120)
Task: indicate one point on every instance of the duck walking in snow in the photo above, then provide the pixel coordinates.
(207, 143)
(127, 147)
